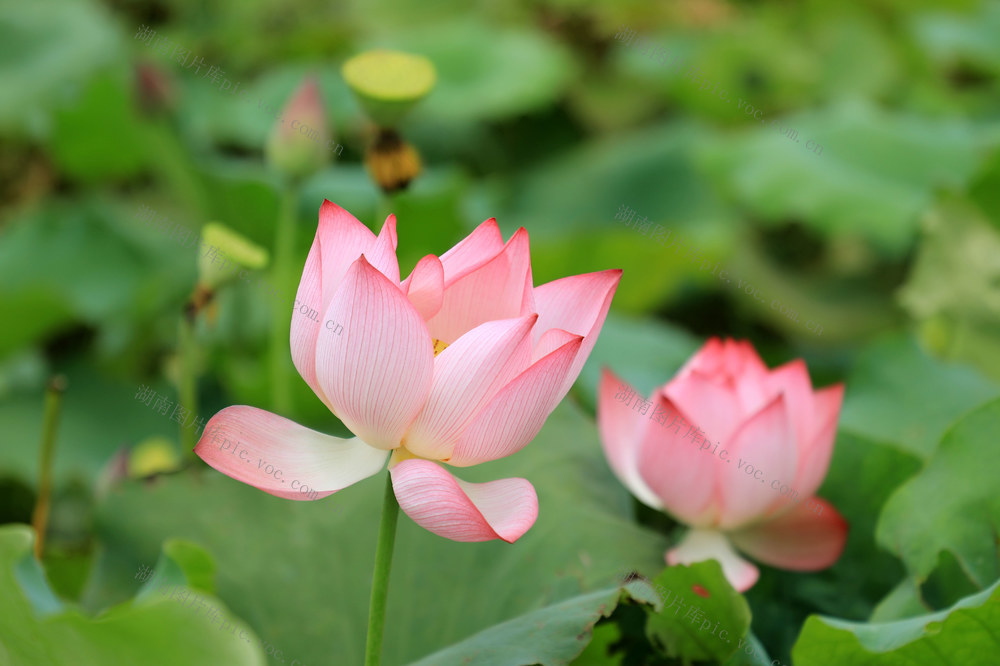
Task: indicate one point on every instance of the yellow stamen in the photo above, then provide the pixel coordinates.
(439, 346)
(399, 455)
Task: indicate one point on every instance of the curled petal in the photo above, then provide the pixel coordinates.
(377, 373)
(802, 539)
(466, 376)
(701, 545)
(462, 511)
(621, 434)
(578, 304)
(283, 458)
(515, 415)
(382, 253)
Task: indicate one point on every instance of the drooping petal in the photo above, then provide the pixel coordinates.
(466, 377)
(578, 304)
(809, 537)
(305, 326)
(283, 458)
(497, 289)
(816, 452)
(515, 415)
(473, 251)
(621, 436)
(766, 443)
(425, 286)
(377, 374)
(701, 545)
(682, 474)
(462, 511)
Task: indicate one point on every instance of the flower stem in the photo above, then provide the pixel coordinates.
(380, 576)
(187, 389)
(50, 420)
(284, 243)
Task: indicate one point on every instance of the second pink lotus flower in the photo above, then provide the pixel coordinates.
(460, 363)
(767, 422)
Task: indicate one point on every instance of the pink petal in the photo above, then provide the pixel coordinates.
(283, 458)
(711, 405)
(578, 304)
(799, 540)
(382, 254)
(473, 251)
(516, 414)
(425, 286)
(752, 382)
(679, 471)
(497, 289)
(377, 373)
(466, 377)
(621, 430)
(708, 360)
(304, 329)
(766, 443)
(701, 545)
(342, 239)
(792, 379)
(461, 511)
(815, 455)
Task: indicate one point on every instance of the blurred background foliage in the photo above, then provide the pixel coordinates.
(886, 238)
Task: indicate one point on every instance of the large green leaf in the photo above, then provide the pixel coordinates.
(952, 504)
(698, 601)
(875, 173)
(313, 592)
(37, 629)
(954, 287)
(963, 634)
(46, 48)
(898, 394)
(553, 635)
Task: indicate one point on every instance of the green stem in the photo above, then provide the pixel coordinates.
(380, 576)
(50, 422)
(187, 389)
(284, 243)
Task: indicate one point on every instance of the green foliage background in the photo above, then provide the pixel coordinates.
(887, 238)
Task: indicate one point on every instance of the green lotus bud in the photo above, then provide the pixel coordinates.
(225, 255)
(300, 143)
(389, 83)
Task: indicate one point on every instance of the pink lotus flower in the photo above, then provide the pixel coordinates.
(766, 436)
(459, 363)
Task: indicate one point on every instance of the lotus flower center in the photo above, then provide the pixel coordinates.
(439, 346)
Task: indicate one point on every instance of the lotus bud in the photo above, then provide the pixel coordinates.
(226, 255)
(299, 141)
